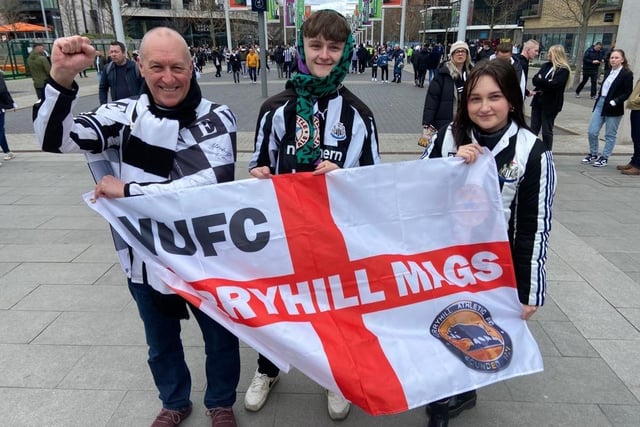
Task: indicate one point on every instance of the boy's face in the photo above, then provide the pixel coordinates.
(322, 55)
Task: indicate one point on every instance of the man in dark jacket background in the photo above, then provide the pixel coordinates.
(591, 61)
(121, 75)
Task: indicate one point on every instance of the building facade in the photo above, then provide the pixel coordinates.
(551, 22)
(548, 21)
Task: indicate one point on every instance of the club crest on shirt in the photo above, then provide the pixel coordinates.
(338, 132)
(302, 132)
(509, 172)
(468, 331)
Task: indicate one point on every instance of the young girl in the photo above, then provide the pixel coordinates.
(550, 83)
(490, 115)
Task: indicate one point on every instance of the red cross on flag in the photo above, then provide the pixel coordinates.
(390, 284)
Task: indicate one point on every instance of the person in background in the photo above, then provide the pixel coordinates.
(433, 61)
(363, 57)
(99, 63)
(121, 77)
(422, 60)
(278, 57)
(354, 60)
(337, 131)
(253, 62)
(289, 56)
(485, 51)
(633, 104)
(591, 61)
(383, 64)
(548, 95)
(374, 66)
(216, 58)
(609, 109)
(162, 149)
(236, 65)
(39, 67)
(530, 50)
(504, 51)
(6, 103)
(398, 64)
(443, 94)
(491, 116)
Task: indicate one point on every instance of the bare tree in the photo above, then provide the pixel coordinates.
(127, 9)
(578, 12)
(68, 15)
(207, 14)
(498, 12)
(10, 11)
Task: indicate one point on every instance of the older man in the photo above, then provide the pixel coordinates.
(197, 147)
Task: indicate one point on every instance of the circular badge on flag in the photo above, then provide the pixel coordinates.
(468, 331)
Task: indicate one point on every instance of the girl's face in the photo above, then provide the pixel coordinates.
(321, 55)
(487, 106)
(615, 59)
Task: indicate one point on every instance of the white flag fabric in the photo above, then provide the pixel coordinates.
(390, 284)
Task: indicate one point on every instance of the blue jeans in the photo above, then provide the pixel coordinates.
(166, 356)
(3, 136)
(610, 123)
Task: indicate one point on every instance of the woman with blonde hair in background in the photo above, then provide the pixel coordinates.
(550, 83)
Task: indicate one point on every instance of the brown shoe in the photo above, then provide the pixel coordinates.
(171, 417)
(222, 417)
(631, 171)
(624, 167)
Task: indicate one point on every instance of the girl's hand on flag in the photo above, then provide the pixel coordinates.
(528, 311)
(469, 152)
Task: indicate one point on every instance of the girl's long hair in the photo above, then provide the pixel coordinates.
(559, 60)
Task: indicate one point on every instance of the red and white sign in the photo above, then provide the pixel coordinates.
(391, 284)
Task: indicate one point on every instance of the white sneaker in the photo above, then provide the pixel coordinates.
(258, 391)
(9, 156)
(338, 406)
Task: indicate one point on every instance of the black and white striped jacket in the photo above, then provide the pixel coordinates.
(345, 131)
(527, 183)
(150, 154)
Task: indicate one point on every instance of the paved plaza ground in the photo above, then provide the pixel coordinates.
(72, 349)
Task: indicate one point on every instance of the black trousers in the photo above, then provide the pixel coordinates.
(589, 75)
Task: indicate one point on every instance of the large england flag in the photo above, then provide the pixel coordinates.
(391, 284)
